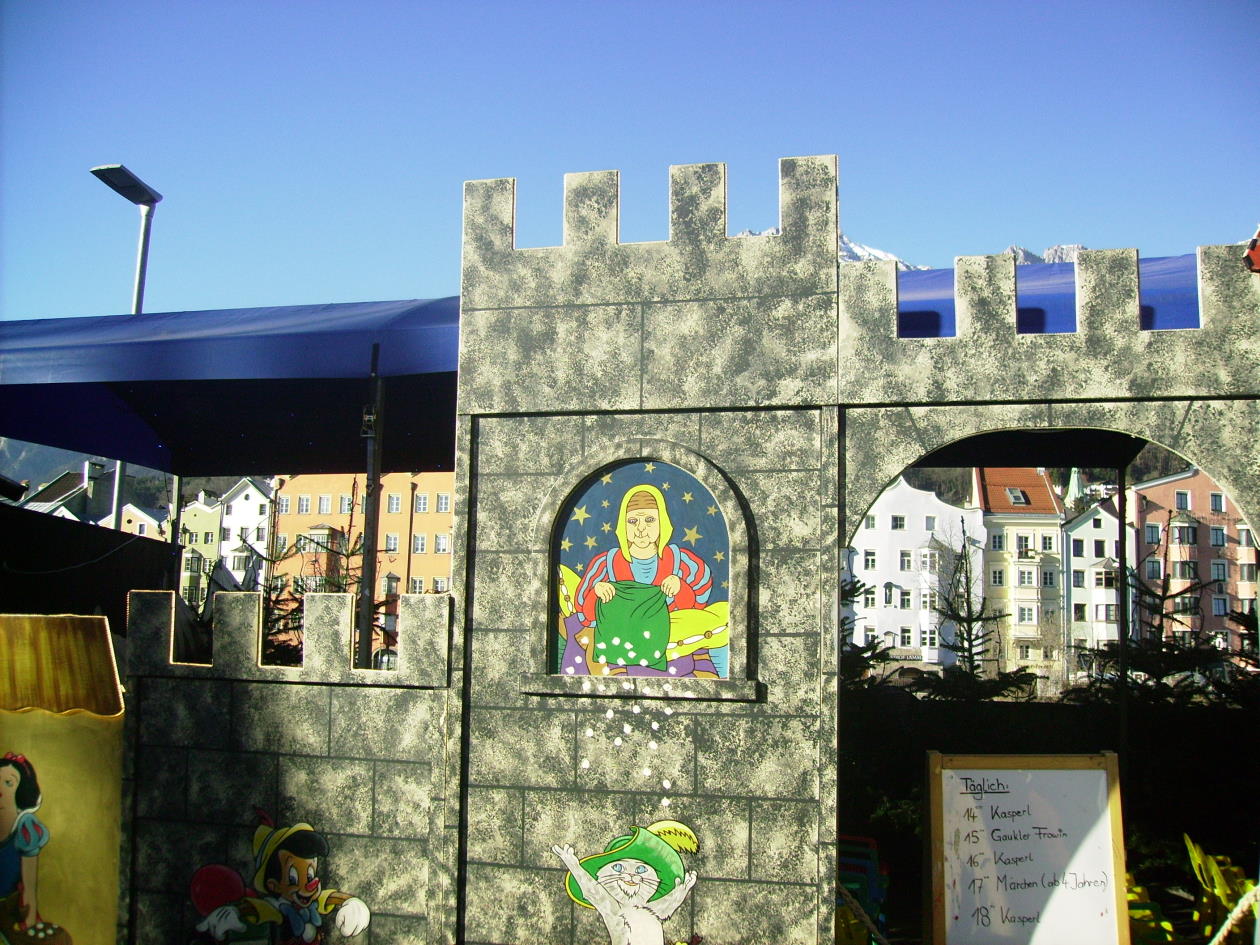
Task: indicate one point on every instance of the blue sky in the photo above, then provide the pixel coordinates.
(315, 151)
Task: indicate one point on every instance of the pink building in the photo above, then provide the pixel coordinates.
(1193, 545)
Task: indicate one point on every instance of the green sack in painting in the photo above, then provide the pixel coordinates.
(632, 629)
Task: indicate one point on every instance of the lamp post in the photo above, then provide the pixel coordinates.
(126, 184)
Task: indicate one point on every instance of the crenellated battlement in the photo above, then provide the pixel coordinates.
(423, 641)
(703, 319)
(593, 267)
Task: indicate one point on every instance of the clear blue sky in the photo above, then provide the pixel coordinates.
(315, 151)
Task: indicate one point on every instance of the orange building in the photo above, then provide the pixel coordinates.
(317, 527)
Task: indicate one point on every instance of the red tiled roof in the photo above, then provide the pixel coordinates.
(1034, 486)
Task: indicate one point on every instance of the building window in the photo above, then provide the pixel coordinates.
(1016, 496)
(1078, 578)
(907, 561)
(1079, 612)
(304, 505)
(1218, 536)
(1186, 570)
(1100, 548)
(906, 600)
(927, 636)
(931, 601)
(416, 585)
(898, 523)
(225, 534)
(997, 542)
(868, 597)
(1047, 543)
(1220, 571)
(998, 577)
(929, 560)
(262, 508)
(393, 503)
(1078, 547)
(1023, 543)
(419, 544)
(240, 562)
(1244, 537)
(442, 544)
(422, 502)
(1097, 522)
(439, 585)
(345, 504)
(389, 584)
(282, 542)
(1183, 500)
(1186, 604)
(207, 538)
(1247, 572)
(1154, 569)
(1025, 651)
(1105, 578)
(1048, 578)
(1220, 606)
(1152, 534)
(227, 510)
(443, 502)
(1027, 577)
(1218, 501)
(282, 505)
(1105, 612)
(1185, 534)
(385, 659)
(1027, 615)
(868, 559)
(192, 565)
(325, 505)
(929, 524)
(888, 594)
(1247, 605)
(391, 541)
(1047, 653)
(260, 533)
(868, 522)
(906, 637)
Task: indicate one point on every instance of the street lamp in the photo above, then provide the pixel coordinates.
(126, 184)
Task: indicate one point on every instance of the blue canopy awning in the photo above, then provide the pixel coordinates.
(237, 390)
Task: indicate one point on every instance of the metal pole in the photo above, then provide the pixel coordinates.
(137, 306)
(367, 575)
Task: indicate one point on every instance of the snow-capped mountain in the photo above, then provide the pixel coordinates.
(1064, 252)
(850, 251)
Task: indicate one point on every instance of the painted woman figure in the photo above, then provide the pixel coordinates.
(23, 837)
(645, 602)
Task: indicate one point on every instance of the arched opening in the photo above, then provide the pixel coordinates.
(1109, 581)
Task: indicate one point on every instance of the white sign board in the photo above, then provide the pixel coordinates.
(1027, 850)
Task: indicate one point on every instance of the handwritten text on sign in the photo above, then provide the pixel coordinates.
(1027, 857)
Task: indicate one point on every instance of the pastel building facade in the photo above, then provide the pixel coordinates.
(200, 522)
(1023, 565)
(1195, 548)
(1092, 596)
(900, 552)
(243, 531)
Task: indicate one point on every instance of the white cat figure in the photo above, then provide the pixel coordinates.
(636, 883)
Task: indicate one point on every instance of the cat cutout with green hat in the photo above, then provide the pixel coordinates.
(637, 882)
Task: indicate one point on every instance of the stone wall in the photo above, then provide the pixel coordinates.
(358, 754)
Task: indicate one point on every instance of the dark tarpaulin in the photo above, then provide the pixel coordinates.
(230, 391)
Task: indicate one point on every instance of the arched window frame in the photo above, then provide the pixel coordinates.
(740, 686)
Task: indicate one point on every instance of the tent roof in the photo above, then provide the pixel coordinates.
(237, 390)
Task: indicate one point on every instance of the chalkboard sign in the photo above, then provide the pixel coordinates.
(1026, 850)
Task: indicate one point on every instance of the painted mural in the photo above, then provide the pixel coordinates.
(642, 554)
(284, 901)
(24, 838)
(636, 883)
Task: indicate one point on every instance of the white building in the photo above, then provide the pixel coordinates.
(898, 553)
(246, 515)
(1091, 543)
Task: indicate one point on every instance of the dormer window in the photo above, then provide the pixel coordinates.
(1016, 496)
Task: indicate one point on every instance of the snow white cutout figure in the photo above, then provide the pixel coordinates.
(24, 835)
(650, 605)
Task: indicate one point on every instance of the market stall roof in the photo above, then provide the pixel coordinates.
(221, 392)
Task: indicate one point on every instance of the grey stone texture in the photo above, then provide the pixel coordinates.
(361, 756)
(772, 373)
